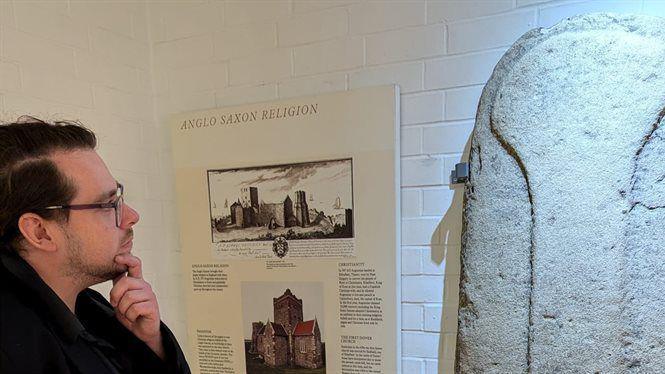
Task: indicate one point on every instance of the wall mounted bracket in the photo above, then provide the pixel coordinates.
(460, 174)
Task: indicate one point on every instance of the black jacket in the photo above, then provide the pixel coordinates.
(39, 334)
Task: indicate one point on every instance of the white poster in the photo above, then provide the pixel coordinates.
(288, 216)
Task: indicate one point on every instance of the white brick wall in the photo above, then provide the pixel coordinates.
(123, 67)
(91, 61)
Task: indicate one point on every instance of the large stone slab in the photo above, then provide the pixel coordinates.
(563, 249)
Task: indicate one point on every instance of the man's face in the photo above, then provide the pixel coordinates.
(91, 238)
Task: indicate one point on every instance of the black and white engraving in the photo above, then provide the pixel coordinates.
(312, 200)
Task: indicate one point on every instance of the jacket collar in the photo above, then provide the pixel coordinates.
(45, 300)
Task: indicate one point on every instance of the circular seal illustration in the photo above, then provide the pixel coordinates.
(280, 246)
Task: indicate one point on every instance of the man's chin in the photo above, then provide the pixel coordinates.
(111, 274)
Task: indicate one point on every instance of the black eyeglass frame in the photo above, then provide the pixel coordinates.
(116, 205)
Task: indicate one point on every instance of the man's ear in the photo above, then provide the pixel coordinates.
(37, 232)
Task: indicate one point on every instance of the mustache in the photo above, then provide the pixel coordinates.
(129, 236)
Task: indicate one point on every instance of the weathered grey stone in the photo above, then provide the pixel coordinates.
(563, 252)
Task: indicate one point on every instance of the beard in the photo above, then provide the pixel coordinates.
(79, 267)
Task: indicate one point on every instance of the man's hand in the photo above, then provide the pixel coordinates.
(136, 305)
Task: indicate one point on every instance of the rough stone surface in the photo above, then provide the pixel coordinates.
(563, 258)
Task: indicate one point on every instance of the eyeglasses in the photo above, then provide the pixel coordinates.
(117, 205)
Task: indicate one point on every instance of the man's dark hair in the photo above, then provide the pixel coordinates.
(29, 179)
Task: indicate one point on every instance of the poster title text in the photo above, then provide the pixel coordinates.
(238, 118)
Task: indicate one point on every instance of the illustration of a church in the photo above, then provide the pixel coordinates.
(288, 341)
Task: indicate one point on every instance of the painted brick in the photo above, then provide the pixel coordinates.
(53, 6)
(433, 367)
(246, 11)
(47, 86)
(163, 108)
(255, 70)
(151, 213)
(243, 40)
(411, 263)
(199, 78)
(374, 16)
(447, 138)
(405, 44)
(411, 141)
(408, 76)
(160, 188)
(131, 159)
(7, 14)
(422, 108)
(419, 231)
(422, 288)
(313, 27)
(453, 10)
(180, 53)
(141, 27)
(165, 10)
(422, 171)
(113, 130)
(156, 28)
(100, 70)
(188, 101)
(552, 15)
(329, 56)
(412, 317)
(149, 255)
(437, 201)
(123, 104)
(18, 104)
(461, 70)
(135, 186)
(29, 51)
(411, 203)
(312, 85)
(412, 366)
(430, 265)
(462, 103)
(193, 20)
(120, 48)
(160, 80)
(113, 16)
(304, 6)
(491, 32)
(420, 344)
(10, 77)
(166, 161)
(433, 318)
(246, 94)
(143, 81)
(521, 3)
(45, 23)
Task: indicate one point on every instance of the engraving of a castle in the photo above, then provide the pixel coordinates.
(306, 207)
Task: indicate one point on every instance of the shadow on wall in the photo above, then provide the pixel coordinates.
(446, 246)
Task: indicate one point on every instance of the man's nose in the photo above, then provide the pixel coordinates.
(129, 216)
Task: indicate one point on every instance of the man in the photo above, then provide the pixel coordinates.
(64, 227)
